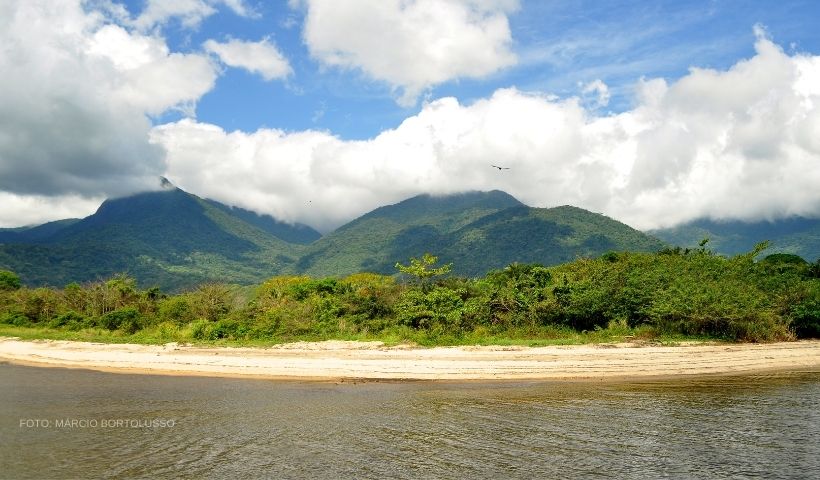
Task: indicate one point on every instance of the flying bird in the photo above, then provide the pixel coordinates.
(500, 168)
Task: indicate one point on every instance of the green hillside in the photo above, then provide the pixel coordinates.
(293, 233)
(375, 241)
(548, 236)
(796, 235)
(168, 238)
(35, 233)
(477, 232)
(176, 240)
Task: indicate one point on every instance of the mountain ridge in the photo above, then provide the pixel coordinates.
(176, 240)
(796, 235)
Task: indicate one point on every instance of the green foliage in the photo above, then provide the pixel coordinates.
(640, 295)
(71, 320)
(177, 241)
(126, 319)
(15, 318)
(170, 239)
(177, 309)
(9, 280)
(795, 235)
(423, 269)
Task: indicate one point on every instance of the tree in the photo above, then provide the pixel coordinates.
(9, 280)
(422, 268)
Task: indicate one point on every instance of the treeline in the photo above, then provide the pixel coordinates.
(672, 292)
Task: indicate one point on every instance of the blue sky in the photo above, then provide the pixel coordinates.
(559, 44)
(316, 111)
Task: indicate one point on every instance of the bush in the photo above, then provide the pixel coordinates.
(439, 307)
(126, 319)
(39, 304)
(226, 328)
(805, 318)
(71, 320)
(16, 319)
(201, 330)
(176, 309)
(9, 280)
(211, 301)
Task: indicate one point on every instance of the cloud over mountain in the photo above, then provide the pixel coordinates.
(739, 143)
(92, 95)
(76, 94)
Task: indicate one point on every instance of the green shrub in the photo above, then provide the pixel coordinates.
(126, 319)
(9, 280)
(16, 319)
(176, 309)
(211, 301)
(440, 307)
(71, 320)
(201, 329)
(805, 318)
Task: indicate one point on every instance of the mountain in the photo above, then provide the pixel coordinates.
(477, 232)
(548, 236)
(176, 240)
(293, 233)
(377, 240)
(168, 238)
(796, 235)
(35, 233)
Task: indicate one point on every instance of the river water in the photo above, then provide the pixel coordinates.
(63, 423)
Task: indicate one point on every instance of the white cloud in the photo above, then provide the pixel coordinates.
(411, 44)
(260, 57)
(76, 92)
(38, 209)
(740, 143)
(599, 91)
(190, 13)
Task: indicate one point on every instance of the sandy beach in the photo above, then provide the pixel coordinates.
(333, 360)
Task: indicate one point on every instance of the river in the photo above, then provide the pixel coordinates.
(66, 423)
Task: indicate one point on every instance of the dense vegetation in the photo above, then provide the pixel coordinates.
(795, 235)
(673, 292)
(168, 238)
(477, 232)
(176, 240)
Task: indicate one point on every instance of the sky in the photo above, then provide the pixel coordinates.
(317, 111)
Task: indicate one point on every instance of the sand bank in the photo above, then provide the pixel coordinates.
(373, 360)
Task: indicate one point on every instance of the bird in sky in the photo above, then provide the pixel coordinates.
(500, 168)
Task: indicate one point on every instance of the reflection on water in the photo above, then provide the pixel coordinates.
(714, 428)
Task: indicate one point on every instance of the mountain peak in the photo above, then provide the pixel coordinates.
(166, 184)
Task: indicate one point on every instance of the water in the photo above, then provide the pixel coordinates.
(743, 427)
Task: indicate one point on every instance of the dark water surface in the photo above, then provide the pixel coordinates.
(60, 423)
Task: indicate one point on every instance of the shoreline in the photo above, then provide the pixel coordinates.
(372, 361)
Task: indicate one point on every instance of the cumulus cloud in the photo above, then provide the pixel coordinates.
(190, 13)
(260, 57)
(740, 143)
(412, 45)
(76, 92)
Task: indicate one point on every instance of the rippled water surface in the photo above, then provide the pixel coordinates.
(159, 426)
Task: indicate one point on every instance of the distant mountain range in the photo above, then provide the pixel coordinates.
(796, 235)
(173, 239)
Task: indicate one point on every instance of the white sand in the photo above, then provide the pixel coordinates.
(372, 360)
